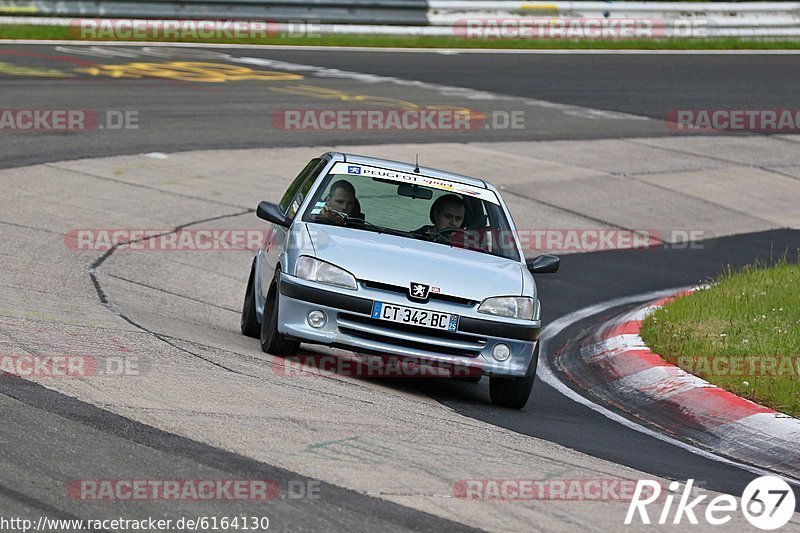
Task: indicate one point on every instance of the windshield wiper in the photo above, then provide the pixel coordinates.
(361, 223)
(436, 237)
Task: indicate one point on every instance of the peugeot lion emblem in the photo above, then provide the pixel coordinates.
(418, 291)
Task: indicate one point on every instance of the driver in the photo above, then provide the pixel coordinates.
(339, 203)
(447, 212)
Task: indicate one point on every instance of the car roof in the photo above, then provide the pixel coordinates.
(409, 168)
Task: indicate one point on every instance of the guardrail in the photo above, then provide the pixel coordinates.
(690, 19)
(397, 12)
(466, 18)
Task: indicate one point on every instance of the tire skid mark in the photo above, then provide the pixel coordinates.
(93, 272)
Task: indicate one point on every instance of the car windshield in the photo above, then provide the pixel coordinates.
(414, 206)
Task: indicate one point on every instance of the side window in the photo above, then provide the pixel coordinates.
(303, 192)
(290, 193)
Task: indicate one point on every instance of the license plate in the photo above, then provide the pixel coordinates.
(416, 317)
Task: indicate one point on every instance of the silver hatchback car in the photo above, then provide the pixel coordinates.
(391, 259)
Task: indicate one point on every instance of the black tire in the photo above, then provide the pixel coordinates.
(514, 392)
(250, 325)
(468, 379)
(272, 342)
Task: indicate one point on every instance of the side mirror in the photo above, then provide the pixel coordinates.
(272, 213)
(544, 264)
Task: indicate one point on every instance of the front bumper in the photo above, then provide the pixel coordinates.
(350, 326)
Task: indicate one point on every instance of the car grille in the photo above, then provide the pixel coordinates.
(431, 296)
(443, 342)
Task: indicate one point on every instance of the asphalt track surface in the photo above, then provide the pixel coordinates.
(178, 115)
(647, 85)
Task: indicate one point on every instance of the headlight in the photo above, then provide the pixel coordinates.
(322, 272)
(508, 306)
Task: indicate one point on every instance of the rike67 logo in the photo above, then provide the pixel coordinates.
(767, 503)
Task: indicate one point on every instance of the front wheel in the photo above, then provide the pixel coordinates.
(514, 392)
(272, 341)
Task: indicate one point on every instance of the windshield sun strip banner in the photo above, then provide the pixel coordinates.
(353, 169)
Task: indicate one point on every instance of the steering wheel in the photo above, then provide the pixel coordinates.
(448, 232)
(467, 240)
(446, 235)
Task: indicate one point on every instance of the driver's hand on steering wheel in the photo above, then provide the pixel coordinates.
(331, 215)
(445, 234)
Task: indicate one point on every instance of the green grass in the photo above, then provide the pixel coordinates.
(749, 317)
(50, 32)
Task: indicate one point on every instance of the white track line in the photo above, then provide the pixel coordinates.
(448, 51)
(445, 90)
(548, 376)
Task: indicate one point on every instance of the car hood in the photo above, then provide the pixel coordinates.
(371, 256)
